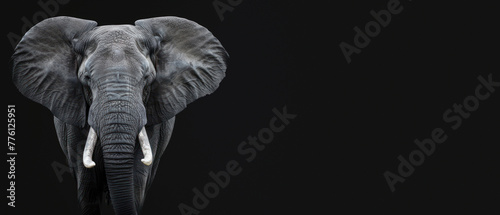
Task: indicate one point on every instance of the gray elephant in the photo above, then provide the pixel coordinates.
(114, 92)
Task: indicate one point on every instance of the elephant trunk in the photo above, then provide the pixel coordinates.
(118, 156)
(117, 116)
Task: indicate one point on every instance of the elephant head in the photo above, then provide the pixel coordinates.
(115, 80)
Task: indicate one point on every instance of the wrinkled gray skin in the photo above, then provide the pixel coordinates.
(116, 79)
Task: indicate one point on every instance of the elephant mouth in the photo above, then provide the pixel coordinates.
(92, 139)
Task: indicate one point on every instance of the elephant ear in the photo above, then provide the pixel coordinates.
(190, 63)
(44, 67)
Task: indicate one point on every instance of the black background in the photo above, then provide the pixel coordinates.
(353, 120)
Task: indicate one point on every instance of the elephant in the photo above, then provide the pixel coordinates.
(114, 91)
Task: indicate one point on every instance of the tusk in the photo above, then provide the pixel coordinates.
(89, 149)
(146, 147)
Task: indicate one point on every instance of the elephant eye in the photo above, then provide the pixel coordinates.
(148, 74)
(85, 79)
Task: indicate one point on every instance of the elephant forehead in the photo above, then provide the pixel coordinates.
(117, 42)
(117, 34)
